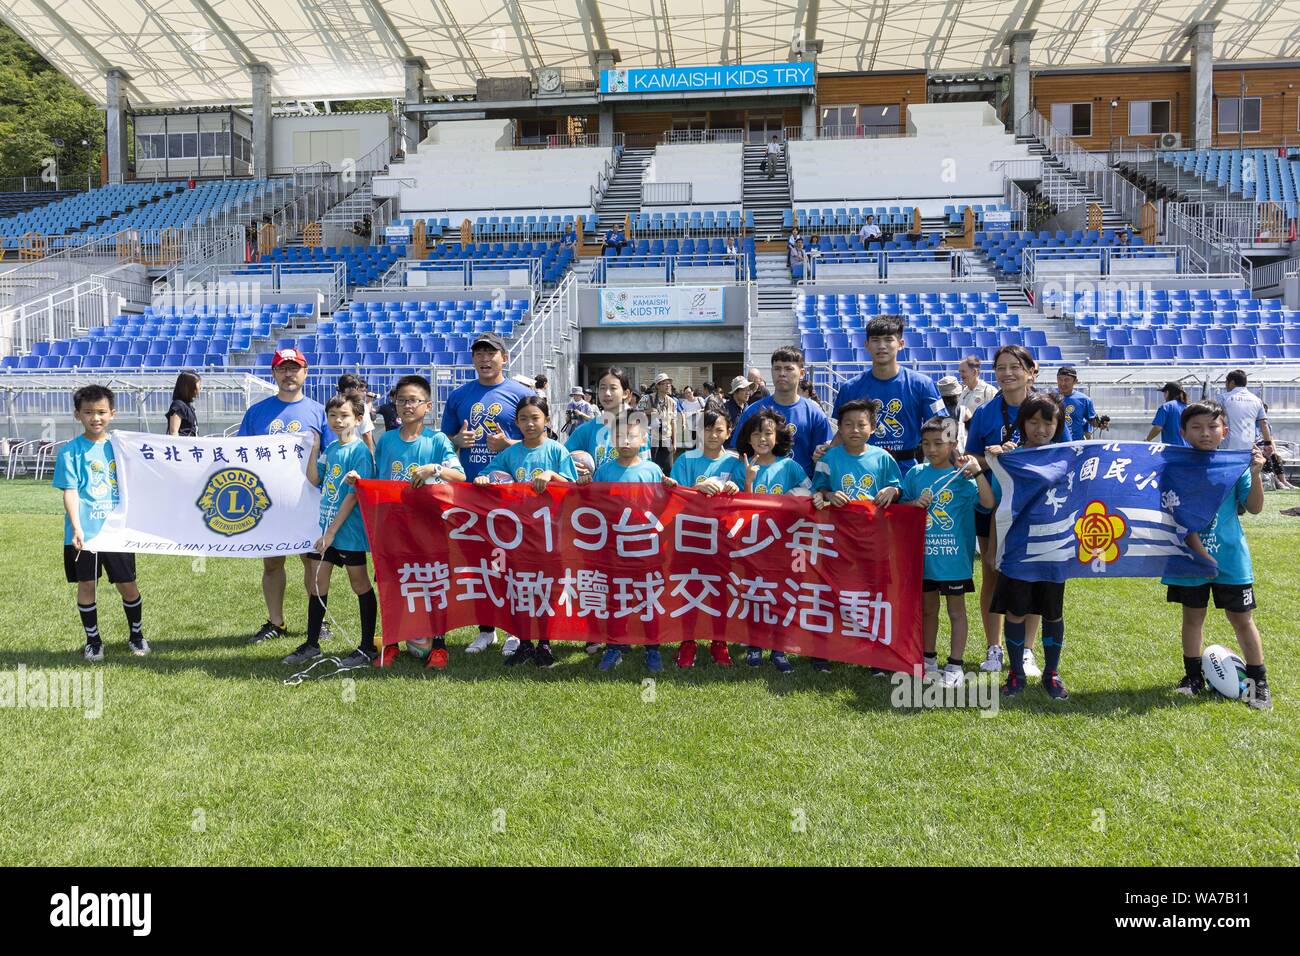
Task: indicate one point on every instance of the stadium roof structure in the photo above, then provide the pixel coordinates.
(189, 52)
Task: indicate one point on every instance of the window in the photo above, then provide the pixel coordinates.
(151, 146)
(533, 131)
(1146, 117)
(1231, 107)
(1072, 119)
(208, 144)
(876, 118)
(840, 119)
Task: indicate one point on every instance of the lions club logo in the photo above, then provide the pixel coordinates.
(233, 501)
(1098, 533)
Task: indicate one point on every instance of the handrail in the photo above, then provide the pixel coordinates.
(1095, 176)
(677, 137)
(1221, 253)
(789, 133)
(659, 194)
(601, 273)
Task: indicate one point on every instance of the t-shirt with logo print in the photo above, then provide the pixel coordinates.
(1080, 412)
(994, 423)
(524, 464)
(271, 416)
(641, 473)
(903, 404)
(396, 459)
(693, 465)
(949, 521)
(488, 409)
(861, 477)
(810, 424)
(88, 467)
(593, 438)
(1226, 542)
(779, 478)
(335, 462)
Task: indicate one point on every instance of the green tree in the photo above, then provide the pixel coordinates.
(38, 105)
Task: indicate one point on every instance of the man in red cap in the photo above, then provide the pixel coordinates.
(287, 412)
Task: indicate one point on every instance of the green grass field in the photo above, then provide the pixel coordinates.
(204, 756)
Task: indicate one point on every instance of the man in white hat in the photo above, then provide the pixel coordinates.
(578, 410)
(950, 393)
(662, 406)
(738, 398)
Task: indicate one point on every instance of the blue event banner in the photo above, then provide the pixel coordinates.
(1113, 509)
(688, 79)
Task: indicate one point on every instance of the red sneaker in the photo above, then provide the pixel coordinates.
(437, 658)
(387, 655)
(686, 655)
(721, 655)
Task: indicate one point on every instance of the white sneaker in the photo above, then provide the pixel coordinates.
(951, 676)
(1031, 666)
(931, 669)
(511, 645)
(993, 662)
(481, 643)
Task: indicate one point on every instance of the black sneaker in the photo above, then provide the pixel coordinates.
(543, 657)
(359, 658)
(267, 632)
(821, 665)
(1054, 687)
(524, 653)
(1014, 685)
(1259, 696)
(305, 652)
(1191, 685)
(139, 646)
(93, 652)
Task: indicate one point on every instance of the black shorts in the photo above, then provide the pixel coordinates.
(1238, 598)
(1022, 598)
(948, 587)
(983, 523)
(342, 559)
(86, 565)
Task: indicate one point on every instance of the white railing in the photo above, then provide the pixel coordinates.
(464, 273)
(244, 284)
(1271, 275)
(1115, 262)
(63, 314)
(1222, 254)
(1020, 202)
(667, 269)
(665, 194)
(39, 184)
(687, 136)
(843, 132)
(1021, 169)
(841, 266)
(1244, 222)
(548, 343)
(1095, 176)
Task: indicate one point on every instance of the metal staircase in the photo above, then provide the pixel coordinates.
(774, 323)
(1063, 189)
(767, 199)
(623, 195)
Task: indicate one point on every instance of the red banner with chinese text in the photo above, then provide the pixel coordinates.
(641, 563)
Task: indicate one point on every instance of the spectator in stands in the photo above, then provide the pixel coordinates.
(662, 406)
(975, 391)
(814, 247)
(570, 237)
(950, 393)
(1122, 236)
(771, 157)
(733, 248)
(1245, 414)
(738, 393)
(759, 389)
(797, 256)
(181, 418)
(795, 238)
(1167, 424)
(354, 386)
(869, 233)
(579, 411)
(388, 411)
(609, 243)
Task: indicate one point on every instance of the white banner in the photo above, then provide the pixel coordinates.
(221, 497)
(663, 305)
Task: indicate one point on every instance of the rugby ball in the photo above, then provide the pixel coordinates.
(1224, 671)
(499, 477)
(420, 648)
(584, 462)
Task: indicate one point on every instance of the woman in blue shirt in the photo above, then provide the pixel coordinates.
(1168, 416)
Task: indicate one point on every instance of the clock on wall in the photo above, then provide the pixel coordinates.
(548, 80)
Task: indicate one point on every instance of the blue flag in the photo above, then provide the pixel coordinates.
(1108, 509)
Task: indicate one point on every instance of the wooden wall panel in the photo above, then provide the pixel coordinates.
(866, 89)
(1278, 90)
(1100, 88)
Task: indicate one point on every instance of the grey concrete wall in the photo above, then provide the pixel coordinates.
(1291, 292)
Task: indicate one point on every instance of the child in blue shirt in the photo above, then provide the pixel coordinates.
(343, 534)
(537, 460)
(630, 435)
(613, 392)
(1204, 425)
(710, 469)
(944, 488)
(87, 474)
(1167, 423)
(764, 443)
(416, 453)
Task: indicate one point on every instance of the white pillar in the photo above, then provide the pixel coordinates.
(805, 51)
(1202, 36)
(260, 79)
(115, 139)
(1018, 58)
(415, 79)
